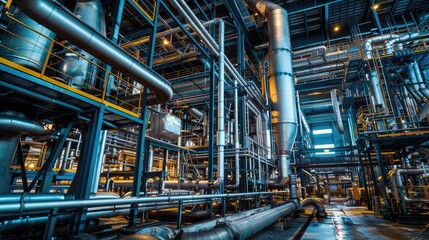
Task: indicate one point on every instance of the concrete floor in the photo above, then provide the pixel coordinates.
(358, 223)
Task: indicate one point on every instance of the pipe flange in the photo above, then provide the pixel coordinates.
(227, 226)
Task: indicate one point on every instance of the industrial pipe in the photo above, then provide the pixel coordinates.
(414, 84)
(367, 46)
(335, 94)
(57, 18)
(12, 126)
(422, 86)
(316, 204)
(376, 90)
(281, 83)
(243, 228)
(389, 46)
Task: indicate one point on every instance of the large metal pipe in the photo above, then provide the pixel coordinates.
(414, 84)
(331, 57)
(281, 82)
(57, 18)
(376, 90)
(335, 94)
(12, 126)
(390, 45)
(422, 86)
(316, 204)
(324, 68)
(367, 46)
(243, 228)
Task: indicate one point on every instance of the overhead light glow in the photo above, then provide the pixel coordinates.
(165, 41)
(324, 146)
(336, 28)
(376, 6)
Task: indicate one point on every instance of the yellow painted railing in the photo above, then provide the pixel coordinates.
(65, 54)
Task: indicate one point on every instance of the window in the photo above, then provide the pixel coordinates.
(322, 131)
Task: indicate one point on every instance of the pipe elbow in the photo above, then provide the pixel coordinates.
(278, 183)
(321, 212)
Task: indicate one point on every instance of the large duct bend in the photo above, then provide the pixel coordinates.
(367, 45)
(12, 126)
(58, 19)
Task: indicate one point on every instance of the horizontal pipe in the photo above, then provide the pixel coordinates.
(58, 19)
(36, 206)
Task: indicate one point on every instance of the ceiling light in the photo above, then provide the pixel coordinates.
(165, 42)
(336, 28)
(376, 6)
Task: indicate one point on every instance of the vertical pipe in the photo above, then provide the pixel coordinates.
(377, 91)
(150, 160)
(415, 85)
(99, 161)
(221, 108)
(422, 86)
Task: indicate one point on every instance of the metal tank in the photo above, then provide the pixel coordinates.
(77, 71)
(28, 46)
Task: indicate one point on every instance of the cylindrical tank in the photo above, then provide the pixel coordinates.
(29, 48)
(75, 70)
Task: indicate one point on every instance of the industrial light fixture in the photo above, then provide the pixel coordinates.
(165, 42)
(376, 6)
(336, 28)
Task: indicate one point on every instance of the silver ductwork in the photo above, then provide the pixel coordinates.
(376, 91)
(12, 126)
(413, 80)
(76, 71)
(331, 57)
(30, 48)
(335, 95)
(390, 45)
(55, 17)
(281, 82)
(367, 46)
(421, 82)
(243, 228)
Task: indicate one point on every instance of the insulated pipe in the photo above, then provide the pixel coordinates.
(376, 90)
(335, 94)
(99, 161)
(319, 69)
(414, 84)
(221, 110)
(422, 86)
(389, 46)
(196, 113)
(267, 133)
(310, 51)
(367, 46)
(316, 204)
(243, 228)
(236, 141)
(12, 126)
(331, 57)
(281, 82)
(57, 18)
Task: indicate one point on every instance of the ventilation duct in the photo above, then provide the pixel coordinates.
(55, 17)
(367, 46)
(281, 84)
(12, 126)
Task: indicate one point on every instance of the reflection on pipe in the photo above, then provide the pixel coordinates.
(335, 94)
(54, 16)
(376, 90)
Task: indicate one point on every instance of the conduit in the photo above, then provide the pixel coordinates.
(58, 19)
(367, 46)
(281, 82)
(316, 204)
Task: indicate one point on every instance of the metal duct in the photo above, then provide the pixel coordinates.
(323, 68)
(78, 72)
(57, 18)
(31, 48)
(338, 56)
(389, 46)
(12, 126)
(267, 134)
(281, 85)
(316, 204)
(310, 51)
(421, 82)
(413, 79)
(196, 113)
(335, 94)
(367, 45)
(281, 82)
(376, 90)
(243, 228)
